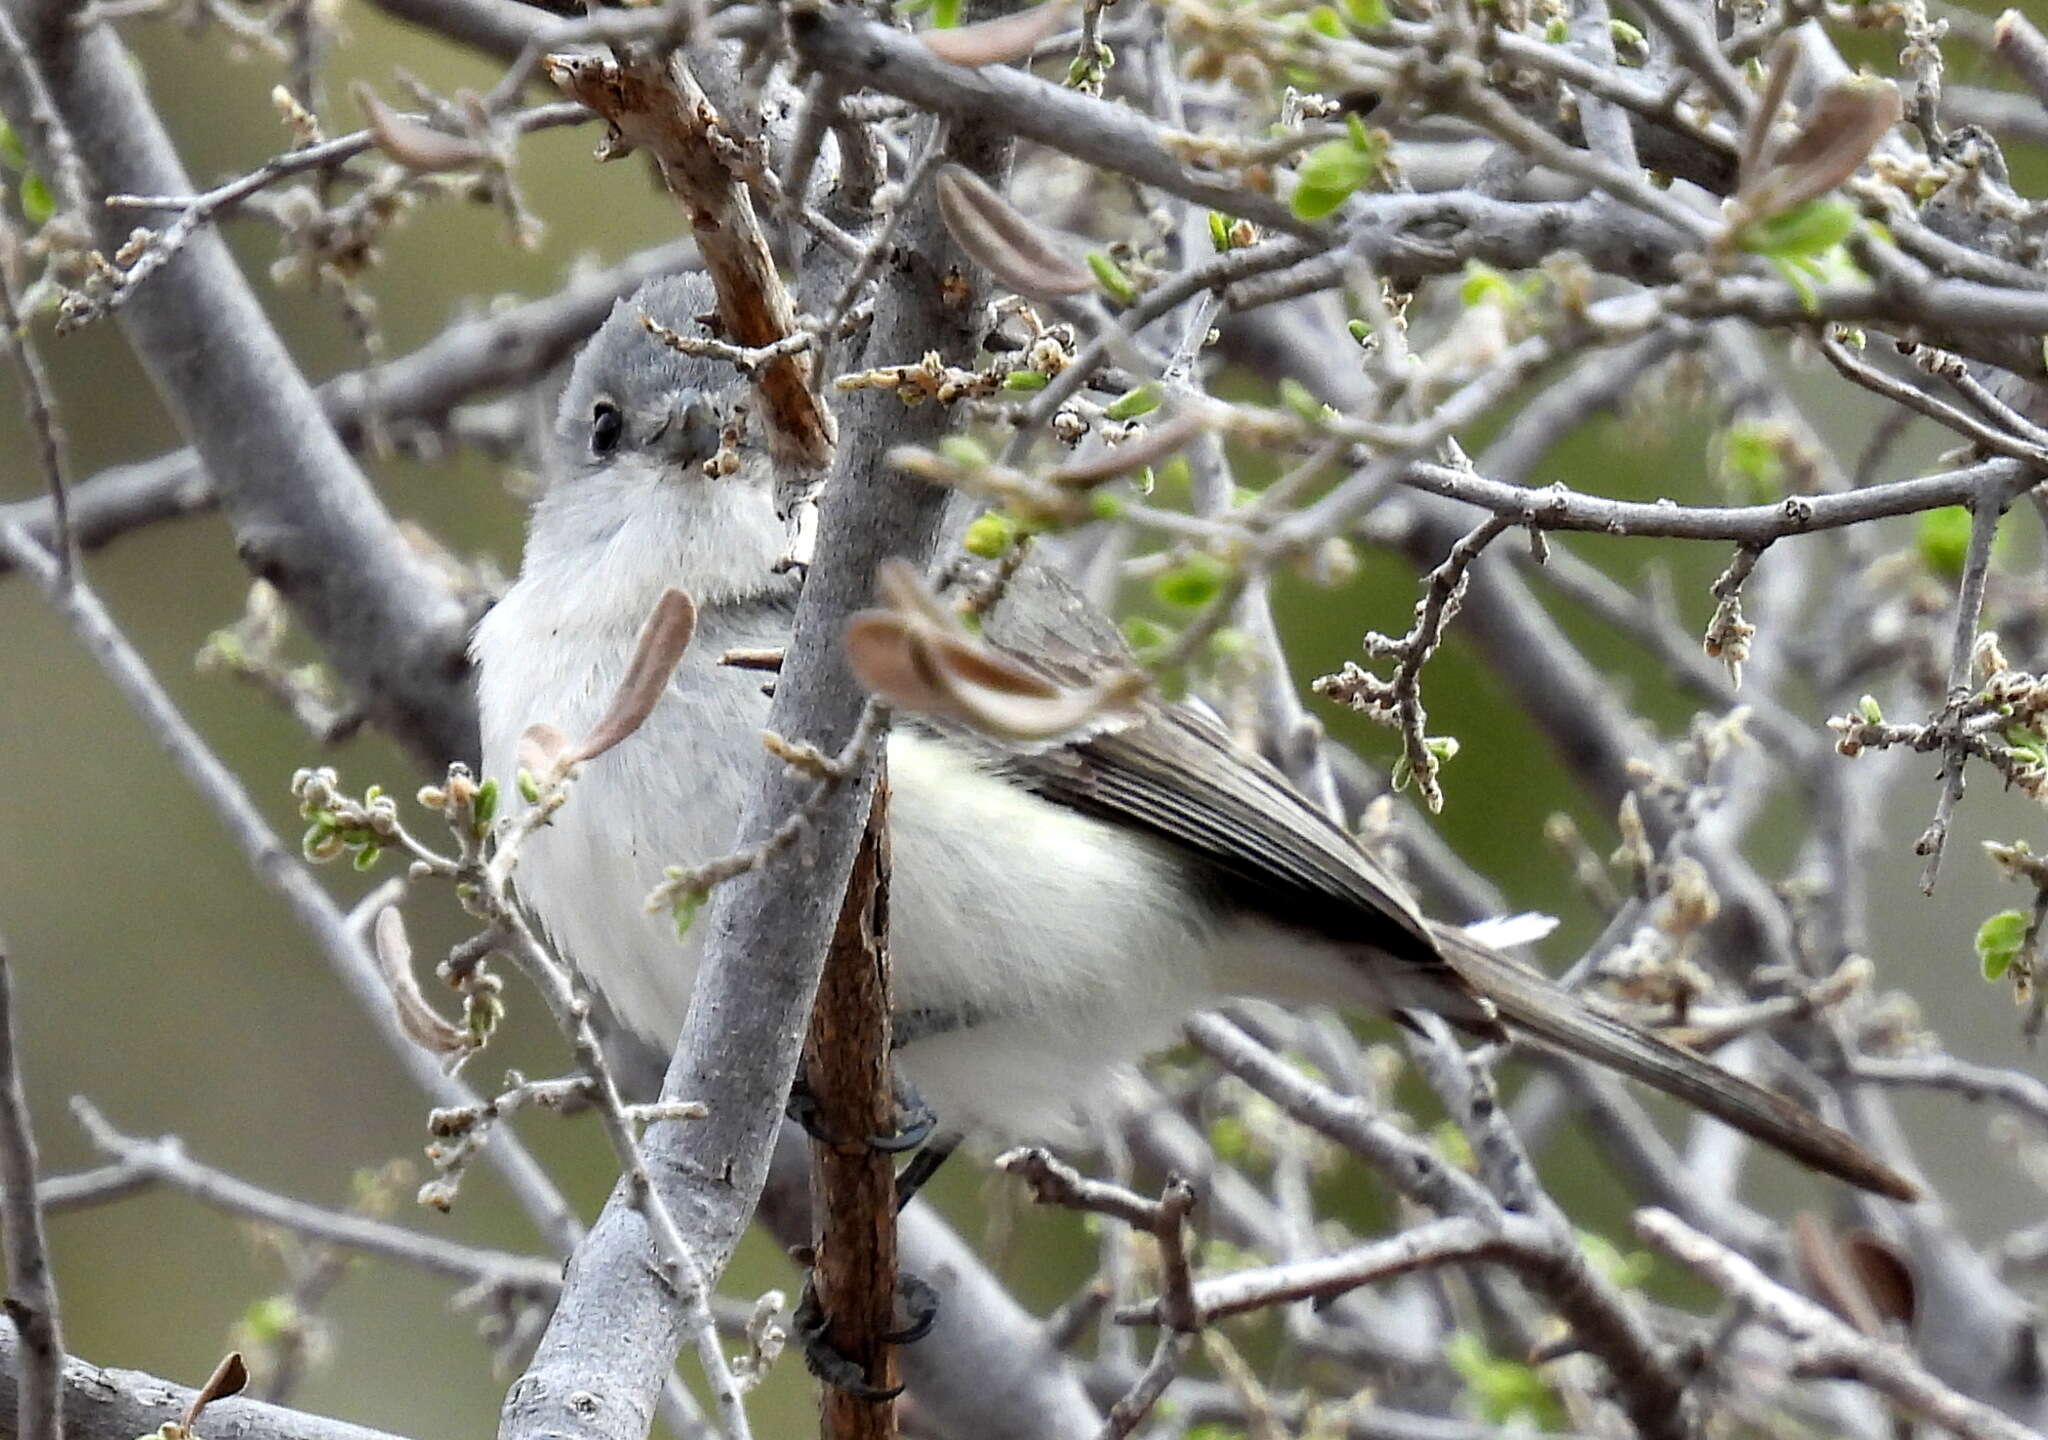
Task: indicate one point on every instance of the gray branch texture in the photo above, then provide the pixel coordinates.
(1591, 449)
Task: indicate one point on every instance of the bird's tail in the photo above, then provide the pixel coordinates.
(1529, 1003)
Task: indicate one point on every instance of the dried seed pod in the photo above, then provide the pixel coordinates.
(916, 656)
(999, 41)
(1835, 137)
(662, 641)
(1014, 250)
(416, 1017)
(411, 144)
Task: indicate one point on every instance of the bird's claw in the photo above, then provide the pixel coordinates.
(811, 1323)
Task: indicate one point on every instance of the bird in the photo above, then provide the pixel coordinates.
(1057, 909)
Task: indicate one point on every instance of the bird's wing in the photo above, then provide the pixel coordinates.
(1175, 772)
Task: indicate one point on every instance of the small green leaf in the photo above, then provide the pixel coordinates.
(945, 14)
(1627, 1269)
(37, 204)
(1147, 638)
(1944, 541)
(486, 803)
(685, 910)
(1627, 39)
(1192, 583)
(1026, 380)
(1358, 330)
(529, 788)
(1367, 14)
(1107, 505)
(1229, 643)
(1753, 451)
(1325, 20)
(1804, 231)
(366, 858)
(990, 536)
(1328, 175)
(1998, 942)
(1302, 401)
(1219, 231)
(1110, 276)
(1484, 285)
(1870, 710)
(1141, 401)
(1441, 747)
(1557, 32)
(964, 451)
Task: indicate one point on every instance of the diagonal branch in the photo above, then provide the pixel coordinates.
(304, 516)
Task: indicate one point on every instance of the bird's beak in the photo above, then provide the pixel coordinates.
(691, 434)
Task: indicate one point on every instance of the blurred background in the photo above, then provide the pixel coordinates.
(156, 979)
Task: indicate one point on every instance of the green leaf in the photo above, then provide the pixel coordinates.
(1944, 541)
(1485, 285)
(1141, 401)
(1025, 380)
(945, 14)
(1325, 20)
(1219, 231)
(1147, 638)
(486, 804)
(2029, 744)
(1802, 232)
(1753, 452)
(1505, 1391)
(37, 204)
(366, 858)
(1192, 583)
(1107, 505)
(1556, 32)
(1998, 942)
(685, 910)
(1358, 330)
(1329, 174)
(1870, 710)
(964, 451)
(990, 536)
(1367, 13)
(529, 788)
(1110, 276)
(1302, 401)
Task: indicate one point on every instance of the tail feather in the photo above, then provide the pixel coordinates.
(1531, 1004)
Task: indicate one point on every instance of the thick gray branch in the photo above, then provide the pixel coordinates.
(304, 516)
(122, 1404)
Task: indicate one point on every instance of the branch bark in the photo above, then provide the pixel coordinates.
(846, 1071)
(305, 517)
(102, 1404)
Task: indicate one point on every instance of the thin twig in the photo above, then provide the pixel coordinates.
(31, 1291)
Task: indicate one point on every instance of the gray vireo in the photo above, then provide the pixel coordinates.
(1056, 910)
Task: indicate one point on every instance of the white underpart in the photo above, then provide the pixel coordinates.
(1080, 945)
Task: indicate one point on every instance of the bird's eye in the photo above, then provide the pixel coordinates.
(607, 427)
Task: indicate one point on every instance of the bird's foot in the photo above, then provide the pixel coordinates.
(914, 1296)
(915, 1121)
